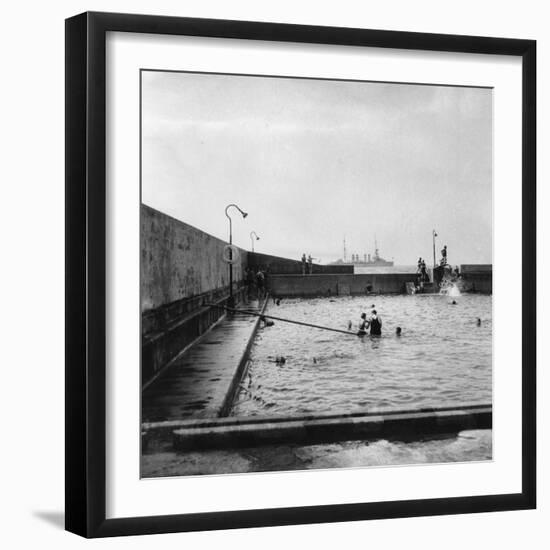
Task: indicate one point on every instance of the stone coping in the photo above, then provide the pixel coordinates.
(382, 423)
(396, 426)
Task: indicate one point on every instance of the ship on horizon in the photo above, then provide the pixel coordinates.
(366, 261)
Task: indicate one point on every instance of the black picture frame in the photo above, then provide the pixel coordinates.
(86, 268)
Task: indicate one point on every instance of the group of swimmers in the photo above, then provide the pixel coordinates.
(373, 322)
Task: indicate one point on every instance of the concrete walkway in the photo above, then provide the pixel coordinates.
(199, 383)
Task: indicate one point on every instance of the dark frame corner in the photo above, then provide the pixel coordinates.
(85, 273)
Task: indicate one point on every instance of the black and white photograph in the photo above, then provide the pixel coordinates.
(275, 275)
(316, 267)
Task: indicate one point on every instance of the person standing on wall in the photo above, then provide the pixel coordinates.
(304, 261)
(444, 255)
(423, 271)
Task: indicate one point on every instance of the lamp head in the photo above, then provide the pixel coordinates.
(244, 214)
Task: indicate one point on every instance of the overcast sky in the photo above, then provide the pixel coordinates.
(313, 161)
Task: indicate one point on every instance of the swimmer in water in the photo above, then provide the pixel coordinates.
(478, 322)
(453, 303)
(375, 324)
(363, 325)
(267, 322)
(398, 331)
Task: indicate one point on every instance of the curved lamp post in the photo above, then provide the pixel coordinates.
(231, 301)
(252, 238)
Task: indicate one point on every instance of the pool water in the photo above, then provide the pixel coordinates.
(442, 357)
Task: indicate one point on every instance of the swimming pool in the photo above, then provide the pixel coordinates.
(443, 357)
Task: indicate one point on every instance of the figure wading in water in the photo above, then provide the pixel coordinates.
(363, 325)
(375, 324)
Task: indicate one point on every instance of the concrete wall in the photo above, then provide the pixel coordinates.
(476, 268)
(285, 266)
(473, 277)
(477, 277)
(337, 285)
(323, 428)
(179, 261)
(182, 271)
